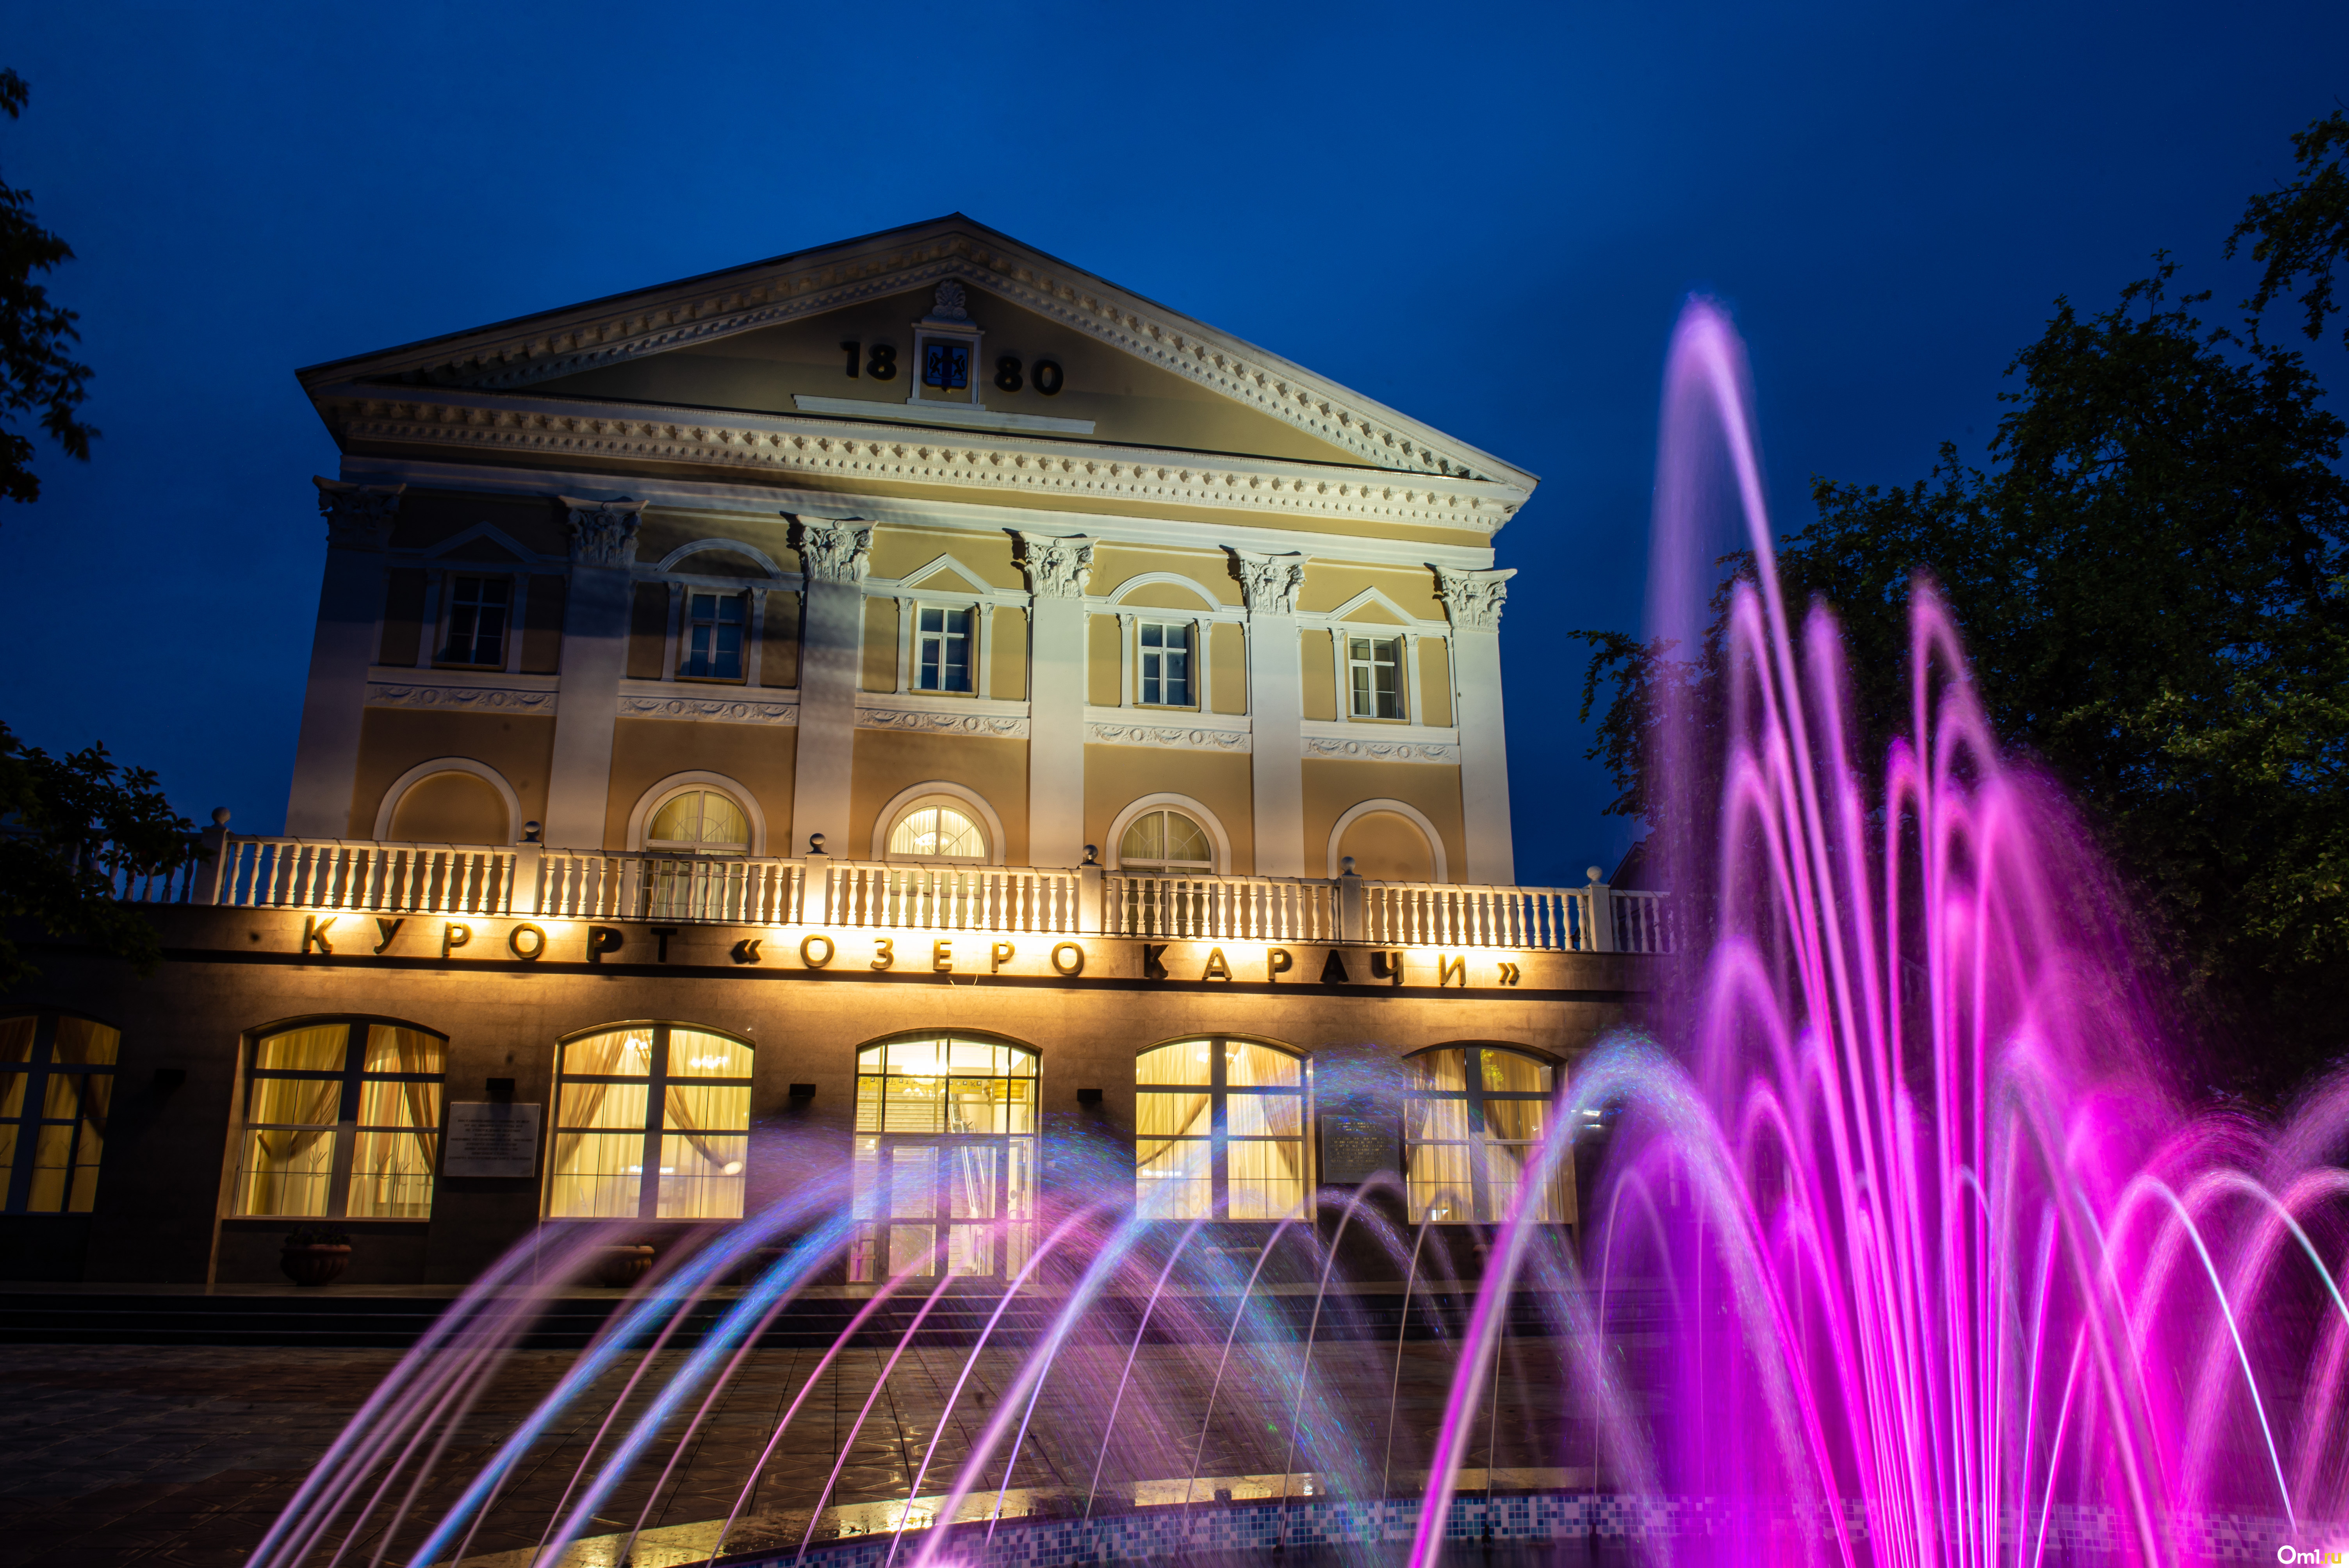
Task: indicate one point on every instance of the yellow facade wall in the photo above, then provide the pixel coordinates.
(1434, 682)
(1117, 776)
(1318, 675)
(1115, 564)
(890, 761)
(393, 739)
(1329, 585)
(427, 517)
(1335, 786)
(1104, 667)
(1007, 650)
(648, 631)
(899, 551)
(403, 616)
(778, 657)
(757, 757)
(542, 627)
(1228, 666)
(880, 644)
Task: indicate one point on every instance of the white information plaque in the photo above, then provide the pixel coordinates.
(492, 1137)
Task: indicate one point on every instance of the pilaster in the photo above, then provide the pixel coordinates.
(1269, 583)
(832, 552)
(1472, 601)
(594, 657)
(334, 705)
(1056, 570)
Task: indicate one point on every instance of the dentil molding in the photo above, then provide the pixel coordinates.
(660, 320)
(841, 451)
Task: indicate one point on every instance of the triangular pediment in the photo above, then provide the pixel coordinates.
(767, 340)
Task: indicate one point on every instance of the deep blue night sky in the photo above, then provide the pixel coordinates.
(1485, 216)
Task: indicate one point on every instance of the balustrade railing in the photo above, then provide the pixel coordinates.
(532, 882)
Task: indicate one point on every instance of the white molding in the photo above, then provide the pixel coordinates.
(1213, 606)
(388, 807)
(759, 504)
(911, 585)
(505, 695)
(1162, 802)
(1403, 808)
(1121, 727)
(524, 557)
(907, 799)
(652, 800)
(842, 450)
(826, 278)
(981, 418)
(930, 721)
(692, 702)
(1405, 620)
(1377, 748)
(667, 563)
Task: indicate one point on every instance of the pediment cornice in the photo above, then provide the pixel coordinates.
(523, 353)
(835, 452)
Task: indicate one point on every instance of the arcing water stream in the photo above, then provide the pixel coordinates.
(1904, 1253)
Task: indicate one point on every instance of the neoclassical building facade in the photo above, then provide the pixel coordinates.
(912, 687)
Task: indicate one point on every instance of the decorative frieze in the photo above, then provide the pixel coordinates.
(1269, 583)
(832, 550)
(1472, 599)
(603, 533)
(925, 721)
(1168, 734)
(358, 517)
(460, 699)
(1057, 567)
(711, 710)
(838, 451)
(1381, 750)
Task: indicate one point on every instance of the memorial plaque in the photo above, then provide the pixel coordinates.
(1356, 1147)
(492, 1137)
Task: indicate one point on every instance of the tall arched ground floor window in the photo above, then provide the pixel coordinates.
(652, 1122)
(1219, 1130)
(342, 1119)
(945, 1176)
(57, 1080)
(1473, 1118)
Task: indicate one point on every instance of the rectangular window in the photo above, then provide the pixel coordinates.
(942, 661)
(56, 1076)
(1166, 664)
(341, 1119)
(477, 621)
(1373, 667)
(713, 637)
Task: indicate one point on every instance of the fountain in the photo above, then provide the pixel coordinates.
(1905, 1254)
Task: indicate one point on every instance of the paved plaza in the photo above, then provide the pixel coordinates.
(112, 1455)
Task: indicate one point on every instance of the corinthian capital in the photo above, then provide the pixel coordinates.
(1472, 599)
(1057, 566)
(603, 533)
(1269, 583)
(832, 550)
(358, 517)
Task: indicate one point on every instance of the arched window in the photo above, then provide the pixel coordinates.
(938, 831)
(699, 823)
(342, 1119)
(1473, 1119)
(1220, 1130)
(652, 1121)
(946, 1157)
(1166, 840)
(57, 1078)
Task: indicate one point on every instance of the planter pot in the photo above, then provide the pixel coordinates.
(315, 1264)
(620, 1267)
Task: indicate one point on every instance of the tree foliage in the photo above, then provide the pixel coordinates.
(70, 826)
(2300, 231)
(2152, 571)
(39, 376)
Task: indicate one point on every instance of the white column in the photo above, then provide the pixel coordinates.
(832, 567)
(1129, 661)
(756, 632)
(1276, 708)
(350, 607)
(514, 613)
(595, 658)
(1056, 569)
(1473, 600)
